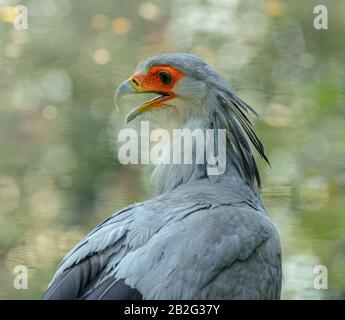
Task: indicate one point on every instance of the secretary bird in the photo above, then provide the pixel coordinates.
(202, 236)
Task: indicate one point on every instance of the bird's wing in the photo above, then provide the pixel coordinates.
(175, 247)
(221, 252)
(81, 272)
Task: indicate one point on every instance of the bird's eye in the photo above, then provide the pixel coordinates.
(165, 77)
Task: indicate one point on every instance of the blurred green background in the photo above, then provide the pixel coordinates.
(59, 175)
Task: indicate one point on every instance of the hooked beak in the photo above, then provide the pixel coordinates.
(130, 86)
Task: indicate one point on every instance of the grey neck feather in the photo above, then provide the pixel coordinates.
(223, 110)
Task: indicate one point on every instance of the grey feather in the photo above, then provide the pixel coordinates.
(181, 247)
(202, 237)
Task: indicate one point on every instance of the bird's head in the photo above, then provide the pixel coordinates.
(182, 82)
(189, 89)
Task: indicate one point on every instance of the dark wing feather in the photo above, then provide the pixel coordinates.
(78, 282)
(72, 282)
(113, 289)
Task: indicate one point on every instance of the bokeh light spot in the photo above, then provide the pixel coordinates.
(101, 56)
(121, 25)
(274, 8)
(8, 14)
(50, 112)
(149, 11)
(56, 85)
(277, 115)
(99, 21)
(9, 195)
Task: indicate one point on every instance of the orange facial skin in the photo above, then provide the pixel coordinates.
(151, 82)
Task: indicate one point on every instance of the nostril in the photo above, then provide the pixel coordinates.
(135, 82)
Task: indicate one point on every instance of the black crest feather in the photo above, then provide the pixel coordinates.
(239, 129)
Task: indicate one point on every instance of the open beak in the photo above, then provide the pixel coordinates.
(131, 87)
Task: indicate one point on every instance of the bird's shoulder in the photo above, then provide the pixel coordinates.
(186, 254)
(131, 226)
(196, 239)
